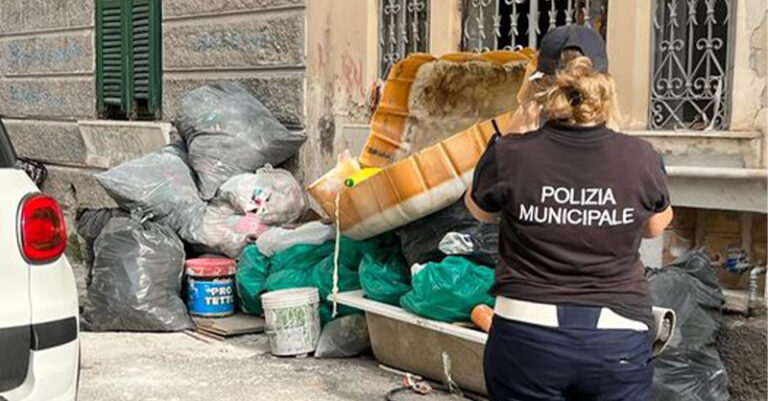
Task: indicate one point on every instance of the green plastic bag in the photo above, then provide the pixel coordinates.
(251, 280)
(292, 268)
(386, 278)
(307, 266)
(449, 290)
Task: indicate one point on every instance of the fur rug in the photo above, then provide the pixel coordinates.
(447, 97)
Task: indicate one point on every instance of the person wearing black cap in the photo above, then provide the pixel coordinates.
(574, 199)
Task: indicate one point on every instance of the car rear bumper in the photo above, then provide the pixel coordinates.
(53, 364)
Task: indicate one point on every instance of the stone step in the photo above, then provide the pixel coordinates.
(713, 149)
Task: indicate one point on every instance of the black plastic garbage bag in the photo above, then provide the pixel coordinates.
(90, 222)
(421, 240)
(229, 132)
(690, 369)
(136, 279)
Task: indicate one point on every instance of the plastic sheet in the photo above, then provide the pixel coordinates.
(690, 369)
(159, 184)
(344, 337)
(449, 290)
(136, 279)
(421, 240)
(278, 239)
(272, 194)
(229, 132)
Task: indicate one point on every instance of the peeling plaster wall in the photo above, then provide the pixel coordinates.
(749, 67)
(342, 70)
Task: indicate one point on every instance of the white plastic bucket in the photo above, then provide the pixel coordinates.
(292, 320)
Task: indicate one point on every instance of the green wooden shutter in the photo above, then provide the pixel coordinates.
(146, 47)
(128, 58)
(112, 54)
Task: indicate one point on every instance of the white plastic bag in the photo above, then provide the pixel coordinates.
(278, 239)
(273, 193)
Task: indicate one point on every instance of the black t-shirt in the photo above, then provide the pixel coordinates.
(573, 203)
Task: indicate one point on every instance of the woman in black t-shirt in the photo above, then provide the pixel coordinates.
(574, 200)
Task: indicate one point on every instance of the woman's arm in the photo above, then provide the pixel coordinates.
(657, 223)
(477, 212)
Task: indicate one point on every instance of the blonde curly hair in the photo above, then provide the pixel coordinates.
(576, 95)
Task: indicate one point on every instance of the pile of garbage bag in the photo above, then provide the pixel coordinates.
(690, 369)
(308, 265)
(215, 191)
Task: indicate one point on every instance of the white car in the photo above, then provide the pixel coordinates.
(39, 332)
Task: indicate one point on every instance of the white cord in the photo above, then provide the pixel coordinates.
(336, 258)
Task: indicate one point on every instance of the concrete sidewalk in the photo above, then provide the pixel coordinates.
(177, 367)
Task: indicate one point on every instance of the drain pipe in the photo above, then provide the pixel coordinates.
(754, 275)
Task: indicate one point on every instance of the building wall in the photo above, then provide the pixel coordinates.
(47, 85)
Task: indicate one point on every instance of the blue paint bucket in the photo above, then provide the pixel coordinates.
(211, 287)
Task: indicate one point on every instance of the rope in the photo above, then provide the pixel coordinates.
(336, 258)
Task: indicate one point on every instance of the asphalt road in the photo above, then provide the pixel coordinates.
(177, 367)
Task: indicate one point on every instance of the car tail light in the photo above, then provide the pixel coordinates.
(42, 229)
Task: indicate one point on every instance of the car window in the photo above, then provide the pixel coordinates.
(7, 155)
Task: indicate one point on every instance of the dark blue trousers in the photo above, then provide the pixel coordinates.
(574, 362)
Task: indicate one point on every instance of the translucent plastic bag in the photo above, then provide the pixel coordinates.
(136, 279)
(229, 132)
(451, 231)
(344, 337)
(272, 194)
(159, 184)
(449, 290)
(690, 369)
(217, 228)
(278, 239)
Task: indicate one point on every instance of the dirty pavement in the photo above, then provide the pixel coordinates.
(177, 367)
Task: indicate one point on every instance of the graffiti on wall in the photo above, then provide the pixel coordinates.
(26, 95)
(37, 55)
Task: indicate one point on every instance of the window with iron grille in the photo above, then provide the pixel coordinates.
(691, 82)
(128, 62)
(507, 24)
(404, 30)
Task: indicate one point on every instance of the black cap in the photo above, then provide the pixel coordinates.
(578, 37)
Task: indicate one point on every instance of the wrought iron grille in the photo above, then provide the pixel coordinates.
(507, 24)
(690, 86)
(404, 30)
